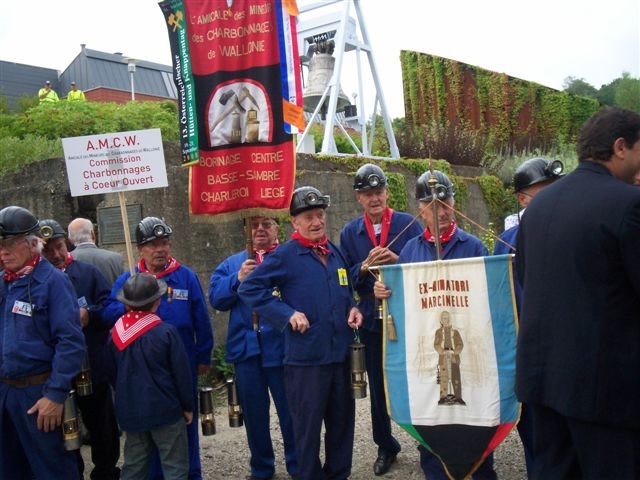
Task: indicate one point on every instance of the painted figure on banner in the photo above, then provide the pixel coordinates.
(239, 113)
(448, 343)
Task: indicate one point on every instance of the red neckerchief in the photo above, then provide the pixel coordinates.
(384, 232)
(132, 325)
(171, 266)
(261, 253)
(10, 276)
(305, 242)
(444, 236)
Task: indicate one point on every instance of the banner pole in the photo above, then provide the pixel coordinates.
(249, 247)
(125, 226)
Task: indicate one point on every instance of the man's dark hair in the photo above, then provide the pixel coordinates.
(598, 134)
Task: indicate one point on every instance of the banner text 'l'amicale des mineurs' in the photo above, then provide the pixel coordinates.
(245, 158)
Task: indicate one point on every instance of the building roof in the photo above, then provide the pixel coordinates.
(94, 69)
(91, 69)
(17, 79)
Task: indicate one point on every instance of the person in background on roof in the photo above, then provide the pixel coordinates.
(47, 94)
(75, 94)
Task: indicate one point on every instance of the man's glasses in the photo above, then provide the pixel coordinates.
(265, 224)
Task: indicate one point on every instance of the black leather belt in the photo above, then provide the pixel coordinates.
(37, 379)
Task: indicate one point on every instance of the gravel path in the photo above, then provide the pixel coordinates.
(225, 455)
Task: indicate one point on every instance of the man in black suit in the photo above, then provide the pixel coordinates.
(578, 359)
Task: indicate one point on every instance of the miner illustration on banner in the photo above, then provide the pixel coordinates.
(239, 113)
(448, 343)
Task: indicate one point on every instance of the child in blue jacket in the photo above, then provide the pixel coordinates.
(153, 390)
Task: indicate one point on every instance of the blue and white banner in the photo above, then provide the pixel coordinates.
(450, 372)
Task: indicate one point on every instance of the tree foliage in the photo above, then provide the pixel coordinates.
(623, 92)
(579, 86)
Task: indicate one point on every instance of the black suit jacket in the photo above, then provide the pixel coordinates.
(579, 262)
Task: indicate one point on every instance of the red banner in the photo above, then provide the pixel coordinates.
(247, 160)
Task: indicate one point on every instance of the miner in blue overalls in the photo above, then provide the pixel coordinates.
(183, 306)
(256, 350)
(314, 307)
(41, 351)
(96, 404)
(375, 238)
(455, 243)
(528, 179)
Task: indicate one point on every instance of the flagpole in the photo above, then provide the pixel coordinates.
(434, 205)
(248, 242)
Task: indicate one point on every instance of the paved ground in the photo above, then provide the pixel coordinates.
(225, 455)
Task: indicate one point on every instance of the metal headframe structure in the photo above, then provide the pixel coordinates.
(342, 29)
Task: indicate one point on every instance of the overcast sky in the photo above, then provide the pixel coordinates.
(543, 41)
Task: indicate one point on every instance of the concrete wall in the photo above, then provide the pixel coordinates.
(43, 188)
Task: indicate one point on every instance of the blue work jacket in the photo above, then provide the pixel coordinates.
(305, 285)
(151, 389)
(46, 336)
(92, 290)
(462, 245)
(356, 245)
(184, 307)
(242, 340)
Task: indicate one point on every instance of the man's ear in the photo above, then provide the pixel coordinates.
(619, 147)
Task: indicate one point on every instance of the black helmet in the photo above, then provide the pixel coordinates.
(50, 229)
(444, 187)
(306, 198)
(141, 289)
(536, 170)
(17, 221)
(369, 176)
(151, 228)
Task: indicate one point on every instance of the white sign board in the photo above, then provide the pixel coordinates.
(115, 162)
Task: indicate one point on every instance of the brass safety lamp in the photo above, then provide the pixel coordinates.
(70, 424)
(235, 410)
(358, 369)
(84, 386)
(207, 418)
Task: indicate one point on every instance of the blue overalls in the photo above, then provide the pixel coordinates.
(92, 290)
(257, 359)
(184, 307)
(356, 245)
(317, 376)
(39, 332)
